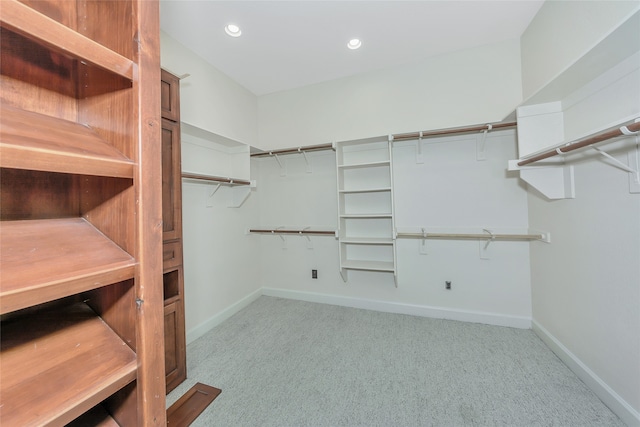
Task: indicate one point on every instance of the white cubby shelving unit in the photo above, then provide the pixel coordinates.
(366, 226)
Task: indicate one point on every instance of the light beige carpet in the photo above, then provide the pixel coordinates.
(291, 363)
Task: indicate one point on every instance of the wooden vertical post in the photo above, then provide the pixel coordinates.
(148, 174)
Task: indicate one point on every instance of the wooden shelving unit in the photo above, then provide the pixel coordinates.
(80, 200)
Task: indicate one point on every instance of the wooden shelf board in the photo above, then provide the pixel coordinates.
(58, 363)
(24, 20)
(35, 141)
(186, 409)
(43, 260)
(369, 265)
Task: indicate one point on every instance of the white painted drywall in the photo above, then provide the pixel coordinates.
(586, 283)
(216, 250)
(208, 98)
(451, 189)
(562, 32)
(220, 260)
(472, 86)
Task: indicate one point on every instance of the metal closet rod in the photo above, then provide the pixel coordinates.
(279, 231)
(472, 236)
(629, 129)
(453, 131)
(219, 179)
(295, 150)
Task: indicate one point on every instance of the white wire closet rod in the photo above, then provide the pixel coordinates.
(473, 236)
(299, 232)
(628, 129)
(304, 149)
(452, 131)
(218, 179)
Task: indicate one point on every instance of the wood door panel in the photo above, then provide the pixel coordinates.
(170, 99)
(175, 345)
(171, 181)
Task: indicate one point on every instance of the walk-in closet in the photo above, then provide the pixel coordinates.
(320, 213)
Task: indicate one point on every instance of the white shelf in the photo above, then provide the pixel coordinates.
(365, 216)
(367, 241)
(370, 265)
(209, 154)
(597, 93)
(365, 165)
(366, 190)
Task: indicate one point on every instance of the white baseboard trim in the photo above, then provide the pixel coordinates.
(400, 308)
(608, 396)
(204, 327)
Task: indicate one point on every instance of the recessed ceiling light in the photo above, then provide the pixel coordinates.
(354, 44)
(233, 30)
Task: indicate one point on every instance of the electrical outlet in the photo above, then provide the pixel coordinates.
(447, 285)
(314, 274)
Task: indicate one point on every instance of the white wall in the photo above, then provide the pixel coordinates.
(450, 190)
(472, 86)
(562, 32)
(297, 200)
(454, 192)
(586, 283)
(220, 260)
(208, 98)
(216, 250)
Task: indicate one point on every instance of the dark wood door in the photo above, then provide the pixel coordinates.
(170, 96)
(171, 182)
(173, 277)
(174, 346)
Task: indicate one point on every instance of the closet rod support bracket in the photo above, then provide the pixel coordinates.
(309, 242)
(306, 160)
(480, 143)
(419, 155)
(283, 169)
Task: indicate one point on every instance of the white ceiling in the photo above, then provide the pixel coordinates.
(289, 44)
